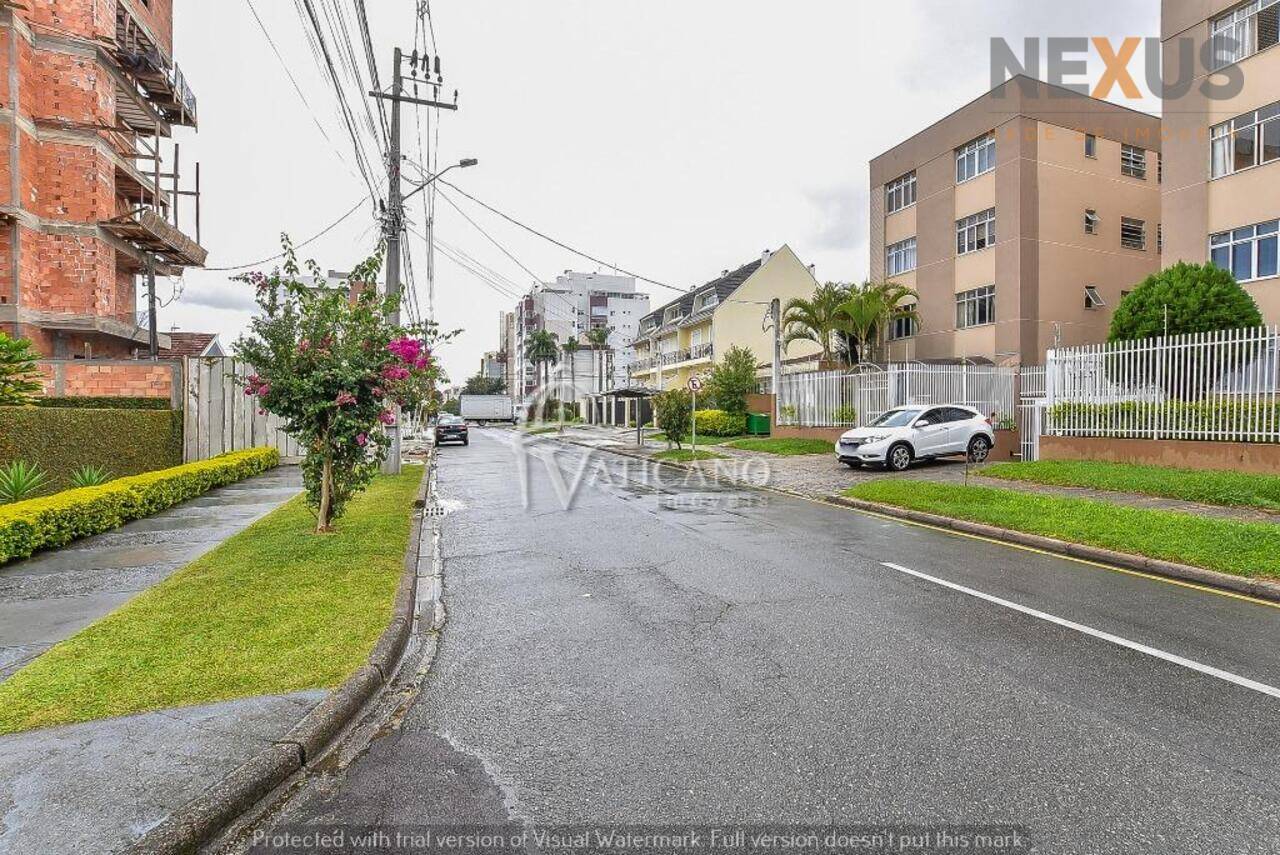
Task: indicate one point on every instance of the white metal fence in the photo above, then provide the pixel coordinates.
(218, 416)
(855, 398)
(1222, 385)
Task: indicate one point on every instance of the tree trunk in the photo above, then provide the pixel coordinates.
(323, 522)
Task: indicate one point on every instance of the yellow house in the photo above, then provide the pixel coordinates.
(688, 335)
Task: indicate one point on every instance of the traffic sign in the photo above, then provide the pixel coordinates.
(695, 384)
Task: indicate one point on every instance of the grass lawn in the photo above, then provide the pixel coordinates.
(273, 609)
(785, 447)
(1243, 549)
(702, 440)
(684, 455)
(1211, 488)
(538, 430)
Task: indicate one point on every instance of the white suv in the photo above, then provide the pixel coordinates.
(917, 433)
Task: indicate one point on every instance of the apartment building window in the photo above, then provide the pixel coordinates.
(1249, 253)
(904, 323)
(1133, 233)
(900, 257)
(1091, 221)
(900, 193)
(1244, 31)
(975, 158)
(976, 308)
(707, 300)
(1090, 146)
(1092, 299)
(672, 315)
(976, 232)
(1133, 161)
(1159, 237)
(1246, 141)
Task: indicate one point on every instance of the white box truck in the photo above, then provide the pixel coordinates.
(487, 408)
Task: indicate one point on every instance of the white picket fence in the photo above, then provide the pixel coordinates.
(218, 416)
(857, 397)
(1222, 385)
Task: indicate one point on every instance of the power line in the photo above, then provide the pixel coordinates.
(559, 243)
(306, 242)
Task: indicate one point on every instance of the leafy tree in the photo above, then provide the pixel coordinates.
(19, 377)
(543, 349)
(598, 337)
(332, 366)
(732, 379)
(571, 348)
(817, 319)
(1197, 297)
(482, 385)
(452, 406)
(866, 312)
(674, 409)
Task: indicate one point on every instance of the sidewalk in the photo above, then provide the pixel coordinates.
(54, 594)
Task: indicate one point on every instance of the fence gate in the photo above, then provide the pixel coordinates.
(219, 417)
(1030, 418)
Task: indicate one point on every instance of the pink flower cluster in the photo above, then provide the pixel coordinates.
(411, 352)
(257, 386)
(344, 399)
(387, 417)
(395, 372)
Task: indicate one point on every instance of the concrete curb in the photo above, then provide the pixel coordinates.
(1261, 589)
(187, 829)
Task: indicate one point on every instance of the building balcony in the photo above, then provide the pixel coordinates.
(151, 233)
(156, 75)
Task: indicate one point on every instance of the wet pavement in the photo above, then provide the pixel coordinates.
(629, 643)
(54, 594)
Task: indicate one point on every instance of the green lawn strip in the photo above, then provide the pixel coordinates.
(538, 430)
(684, 455)
(1243, 549)
(275, 608)
(785, 447)
(1239, 489)
(702, 440)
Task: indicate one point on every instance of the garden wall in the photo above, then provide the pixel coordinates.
(111, 378)
(1258, 458)
(61, 440)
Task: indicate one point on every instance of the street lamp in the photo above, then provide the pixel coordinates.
(465, 163)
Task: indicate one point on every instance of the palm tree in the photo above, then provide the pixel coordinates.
(865, 314)
(571, 348)
(542, 349)
(599, 339)
(816, 320)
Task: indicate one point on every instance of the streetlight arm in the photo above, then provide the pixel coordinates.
(463, 164)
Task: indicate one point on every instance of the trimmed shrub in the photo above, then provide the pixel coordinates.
(53, 521)
(102, 403)
(720, 423)
(61, 440)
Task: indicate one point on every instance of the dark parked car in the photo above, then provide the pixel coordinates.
(451, 429)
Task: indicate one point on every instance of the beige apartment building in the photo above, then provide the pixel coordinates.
(1222, 151)
(1020, 219)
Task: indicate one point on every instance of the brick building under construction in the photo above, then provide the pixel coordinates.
(90, 181)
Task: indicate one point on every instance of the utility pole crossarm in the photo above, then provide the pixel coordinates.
(405, 99)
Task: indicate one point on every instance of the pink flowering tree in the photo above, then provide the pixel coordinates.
(327, 361)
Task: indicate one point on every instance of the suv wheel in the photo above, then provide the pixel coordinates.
(979, 448)
(898, 458)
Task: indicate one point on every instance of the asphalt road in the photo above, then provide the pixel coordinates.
(671, 651)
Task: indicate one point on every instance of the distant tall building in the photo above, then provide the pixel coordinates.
(570, 307)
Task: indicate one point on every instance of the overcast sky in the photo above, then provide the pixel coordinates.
(668, 137)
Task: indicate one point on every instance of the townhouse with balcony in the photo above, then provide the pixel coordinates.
(1222, 147)
(1020, 219)
(89, 197)
(686, 336)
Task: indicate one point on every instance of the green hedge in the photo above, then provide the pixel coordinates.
(720, 423)
(61, 440)
(105, 403)
(53, 521)
(1178, 419)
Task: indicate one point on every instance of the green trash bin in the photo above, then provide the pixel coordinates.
(758, 424)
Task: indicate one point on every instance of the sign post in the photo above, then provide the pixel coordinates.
(695, 386)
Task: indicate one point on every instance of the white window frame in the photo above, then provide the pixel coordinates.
(900, 258)
(1134, 223)
(974, 228)
(1235, 35)
(706, 300)
(1133, 161)
(976, 307)
(1091, 221)
(1255, 235)
(900, 193)
(1093, 299)
(976, 157)
(1223, 139)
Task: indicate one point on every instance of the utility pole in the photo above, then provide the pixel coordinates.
(775, 376)
(153, 338)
